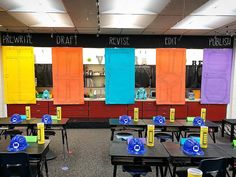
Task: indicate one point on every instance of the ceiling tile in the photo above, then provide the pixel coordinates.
(131, 31)
(111, 31)
(164, 21)
(87, 30)
(83, 13)
(154, 31)
(8, 21)
(182, 7)
(175, 32)
(196, 32)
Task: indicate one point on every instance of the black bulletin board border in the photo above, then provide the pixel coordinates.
(111, 41)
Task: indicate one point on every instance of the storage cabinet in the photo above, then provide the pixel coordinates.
(37, 110)
(194, 108)
(139, 105)
(70, 111)
(216, 112)
(98, 109)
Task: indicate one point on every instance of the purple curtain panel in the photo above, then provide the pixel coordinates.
(216, 76)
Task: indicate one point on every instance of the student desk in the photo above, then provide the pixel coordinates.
(232, 123)
(213, 127)
(37, 153)
(116, 126)
(32, 123)
(179, 159)
(154, 156)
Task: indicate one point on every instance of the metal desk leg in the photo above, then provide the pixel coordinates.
(214, 137)
(67, 144)
(156, 171)
(174, 171)
(112, 134)
(63, 142)
(140, 135)
(161, 171)
(232, 133)
(114, 170)
(46, 166)
(222, 128)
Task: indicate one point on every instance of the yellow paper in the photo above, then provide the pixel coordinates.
(203, 136)
(27, 112)
(58, 113)
(203, 113)
(172, 114)
(150, 135)
(19, 76)
(41, 136)
(136, 114)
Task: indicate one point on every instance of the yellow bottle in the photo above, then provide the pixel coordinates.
(136, 116)
(41, 136)
(203, 113)
(58, 113)
(172, 114)
(27, 112)
(150, 135)
(203, 136)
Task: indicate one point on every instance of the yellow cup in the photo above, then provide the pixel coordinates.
(194, 172)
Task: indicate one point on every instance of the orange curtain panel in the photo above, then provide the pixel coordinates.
(18, 74)
(170, 76)
(67, 67)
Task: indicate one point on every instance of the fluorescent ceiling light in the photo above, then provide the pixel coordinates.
(203, 22)
(44, 19)
(132, 6)
(211, 15)
(126, 21)
(33, 5)
(217, 7)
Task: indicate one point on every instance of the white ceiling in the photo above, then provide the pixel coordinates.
(81, 17)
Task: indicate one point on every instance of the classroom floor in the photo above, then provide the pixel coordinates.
(89, 155)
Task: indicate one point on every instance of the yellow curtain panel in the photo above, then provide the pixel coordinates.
(170, 76)
(19, 76)
(68, 82)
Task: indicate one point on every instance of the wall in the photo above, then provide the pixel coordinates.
(3, 112)
(231, 111)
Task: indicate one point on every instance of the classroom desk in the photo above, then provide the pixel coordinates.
(32, 123)
(154, 156)
(232, 123)
(213, 127)
(179, 159)
(135, 126)
(37, 153)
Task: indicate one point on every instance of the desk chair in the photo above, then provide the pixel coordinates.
(16, 164)
(124, 136)
(210, 168)
(137, 171)
(163, 137)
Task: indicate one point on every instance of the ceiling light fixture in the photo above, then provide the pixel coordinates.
(211, 15)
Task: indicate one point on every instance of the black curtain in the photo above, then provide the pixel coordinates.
(43, 73)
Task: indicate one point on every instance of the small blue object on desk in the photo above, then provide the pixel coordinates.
(192, 147)
(15, 119)
(17, 143)
(182, 140)
(125, 120)
(141, 94)
(159, 120)
(23, 117)
(47, 119)
(198, 121)
(136, 146)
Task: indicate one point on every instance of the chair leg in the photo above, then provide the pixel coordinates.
(114, 170)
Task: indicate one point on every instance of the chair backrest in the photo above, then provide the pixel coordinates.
(14, 164)
(214, 167)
